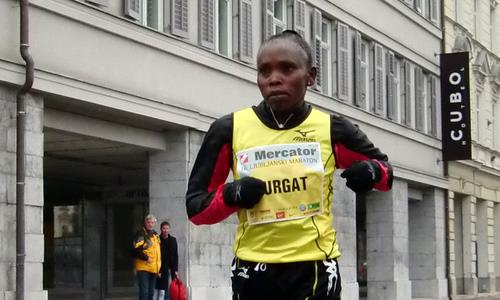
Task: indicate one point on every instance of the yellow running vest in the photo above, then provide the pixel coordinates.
(293, 220)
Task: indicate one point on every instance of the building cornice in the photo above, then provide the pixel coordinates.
(75, 89)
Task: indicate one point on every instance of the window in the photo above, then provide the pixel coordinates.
(215, 25)
(68, 240)
(492, 125)
(322, 55)
(224, 27)
(434, 11)
(432, 106)
(391, 87)
(496, 125)
(157, 14)
(243, 38)
(151, 15)
(420, 92)
(427, 8)
(406, 94)
(326, 55)
(343, 61)
(274, 17)
(299, 17)
(206, 23)
(478, 119)
(179, 18)
(279, 15)
(398, 82)
(418, 6)
(430, 10)
(379, 79)
(133, 9)
(361, 66)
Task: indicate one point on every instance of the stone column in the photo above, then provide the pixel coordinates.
(455, 262)
(469, 244)
(33, 196)
(344, 220)
(168, 175)
(387, 243)
(427, 246)
(485, 247)
(205, 252)
(210, 249)
(497, 242)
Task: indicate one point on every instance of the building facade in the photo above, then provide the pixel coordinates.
(474, 193)
(124, 91)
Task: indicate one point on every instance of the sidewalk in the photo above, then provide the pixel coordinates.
(490, 296)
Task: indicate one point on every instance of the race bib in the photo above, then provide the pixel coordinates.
(293, 174)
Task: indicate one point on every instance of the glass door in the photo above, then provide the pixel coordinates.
(123, 221)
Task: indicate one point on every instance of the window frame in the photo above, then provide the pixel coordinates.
(283, 23)
(477, 111)
(229, 26)
(431, 104)
(361, 71)
(157, 13)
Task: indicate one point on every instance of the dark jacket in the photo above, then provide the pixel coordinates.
(169, 261)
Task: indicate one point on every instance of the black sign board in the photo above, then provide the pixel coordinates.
(455, 106)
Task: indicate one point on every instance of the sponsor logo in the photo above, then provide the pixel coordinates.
(303, 136)
(280, 215)
(302, 207)
(313, 205)
(304, 133)
(243, 158)
(331, 269)
(302, 139)
(284, 153)
(243, 273)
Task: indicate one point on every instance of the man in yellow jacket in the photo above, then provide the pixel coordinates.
(147, 255)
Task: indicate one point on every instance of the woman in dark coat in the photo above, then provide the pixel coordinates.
(169, 261)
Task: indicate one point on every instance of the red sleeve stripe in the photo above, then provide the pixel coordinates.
(216, 211)
(383, 184)
(221, 169)
(345, 157)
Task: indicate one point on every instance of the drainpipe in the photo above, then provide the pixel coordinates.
(20, 152)
(445, 172)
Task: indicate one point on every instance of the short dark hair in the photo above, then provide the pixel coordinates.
(164, 223)
(292, 36)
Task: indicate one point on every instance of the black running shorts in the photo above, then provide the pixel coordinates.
(309, 280)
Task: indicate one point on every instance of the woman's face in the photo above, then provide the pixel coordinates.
(165, 230)
(283, 75)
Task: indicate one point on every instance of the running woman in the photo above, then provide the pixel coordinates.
(283, 153)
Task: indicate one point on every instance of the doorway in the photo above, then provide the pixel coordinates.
(96, 196)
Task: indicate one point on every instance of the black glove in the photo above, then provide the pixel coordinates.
(362, 176)
(244, 192)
